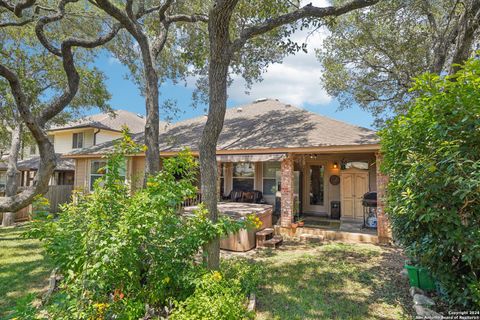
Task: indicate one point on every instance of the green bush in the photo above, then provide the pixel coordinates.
(119, 252)
(432, 156)
(217, 297)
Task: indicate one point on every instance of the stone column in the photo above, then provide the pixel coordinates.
(383, 226)
(287, 190)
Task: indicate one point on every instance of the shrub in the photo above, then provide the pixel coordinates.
(432, 156)
(119, 252)
(215, 297)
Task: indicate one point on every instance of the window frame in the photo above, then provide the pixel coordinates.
(75, 140)
(234, 164)
(277, 177)
(99, 175)
(222, 178)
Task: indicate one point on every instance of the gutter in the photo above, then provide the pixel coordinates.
(322, 149)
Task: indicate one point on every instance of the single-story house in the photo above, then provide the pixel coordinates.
(301, 161)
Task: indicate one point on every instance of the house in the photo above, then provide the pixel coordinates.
(302, 162)
(76, 134)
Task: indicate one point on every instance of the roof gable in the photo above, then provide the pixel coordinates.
(107, 121)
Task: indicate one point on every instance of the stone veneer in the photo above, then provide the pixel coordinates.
(287, 191)
(383, 226)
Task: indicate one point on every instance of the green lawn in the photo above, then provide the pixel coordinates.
(315, 281)
(333, 281)
(23, 268)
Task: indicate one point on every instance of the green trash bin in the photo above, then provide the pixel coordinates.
(420, 277)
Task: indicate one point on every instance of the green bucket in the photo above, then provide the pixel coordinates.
(420, 277)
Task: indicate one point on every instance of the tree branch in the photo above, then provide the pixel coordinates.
(307, 11)
(18, 8)
(36, 124)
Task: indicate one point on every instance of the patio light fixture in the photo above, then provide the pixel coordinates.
(335, 165)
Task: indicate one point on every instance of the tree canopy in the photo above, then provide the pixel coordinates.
(370, 57)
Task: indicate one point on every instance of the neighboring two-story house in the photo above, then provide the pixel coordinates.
(82, 133)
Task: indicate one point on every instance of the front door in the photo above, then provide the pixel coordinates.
(314, 197)
(354, 184)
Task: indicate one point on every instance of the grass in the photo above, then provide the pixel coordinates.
(23, 269)
(332, 281)
(302, 281)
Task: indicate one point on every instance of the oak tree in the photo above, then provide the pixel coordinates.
(370, 57)
(227, 38)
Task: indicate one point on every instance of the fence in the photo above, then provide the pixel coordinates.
(56, 196)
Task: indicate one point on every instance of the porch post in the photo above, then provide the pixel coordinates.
(287, 190)
(383, 226)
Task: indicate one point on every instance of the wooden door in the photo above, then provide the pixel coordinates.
(353, 186)
(361, 187)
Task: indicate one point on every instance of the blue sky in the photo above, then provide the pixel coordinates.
(125, 94)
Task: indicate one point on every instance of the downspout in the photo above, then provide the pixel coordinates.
(95, 137)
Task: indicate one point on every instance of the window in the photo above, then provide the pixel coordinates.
(244, 176)
(3, 179)
(316, 185)
(77, 142)
(97, 170)
(271, 178)
(222, 179)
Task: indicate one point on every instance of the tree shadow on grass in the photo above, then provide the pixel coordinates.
(337, 282)
(23, 268)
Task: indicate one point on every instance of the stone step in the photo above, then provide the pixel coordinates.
(311, 238)
(275, 242)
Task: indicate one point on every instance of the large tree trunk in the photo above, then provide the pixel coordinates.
(152, 155)
(217, 76)
(12, 173)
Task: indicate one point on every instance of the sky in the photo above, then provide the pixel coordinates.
(296, 81)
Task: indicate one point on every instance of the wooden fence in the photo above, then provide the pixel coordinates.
(56, 196)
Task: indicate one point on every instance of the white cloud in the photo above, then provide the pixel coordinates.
(296, 80)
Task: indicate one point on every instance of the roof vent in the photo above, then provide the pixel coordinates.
(239, 109)
(261, 100)
(140, 115)
(288, 105)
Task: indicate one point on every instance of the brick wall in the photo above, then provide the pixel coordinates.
(383, 226)
(287, 192)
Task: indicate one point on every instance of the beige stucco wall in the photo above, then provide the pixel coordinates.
(138, 172)
(81, 174)
(63, 139)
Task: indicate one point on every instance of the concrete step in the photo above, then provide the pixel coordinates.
(311, 238)
(275, 242)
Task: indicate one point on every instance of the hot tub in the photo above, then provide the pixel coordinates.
(244, 239)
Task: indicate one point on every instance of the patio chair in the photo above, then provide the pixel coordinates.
(234, 196)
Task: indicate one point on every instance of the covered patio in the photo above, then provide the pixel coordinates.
(322, 189)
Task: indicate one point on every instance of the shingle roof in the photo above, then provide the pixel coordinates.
(261, 125)
(34, 162)
(108, 121)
